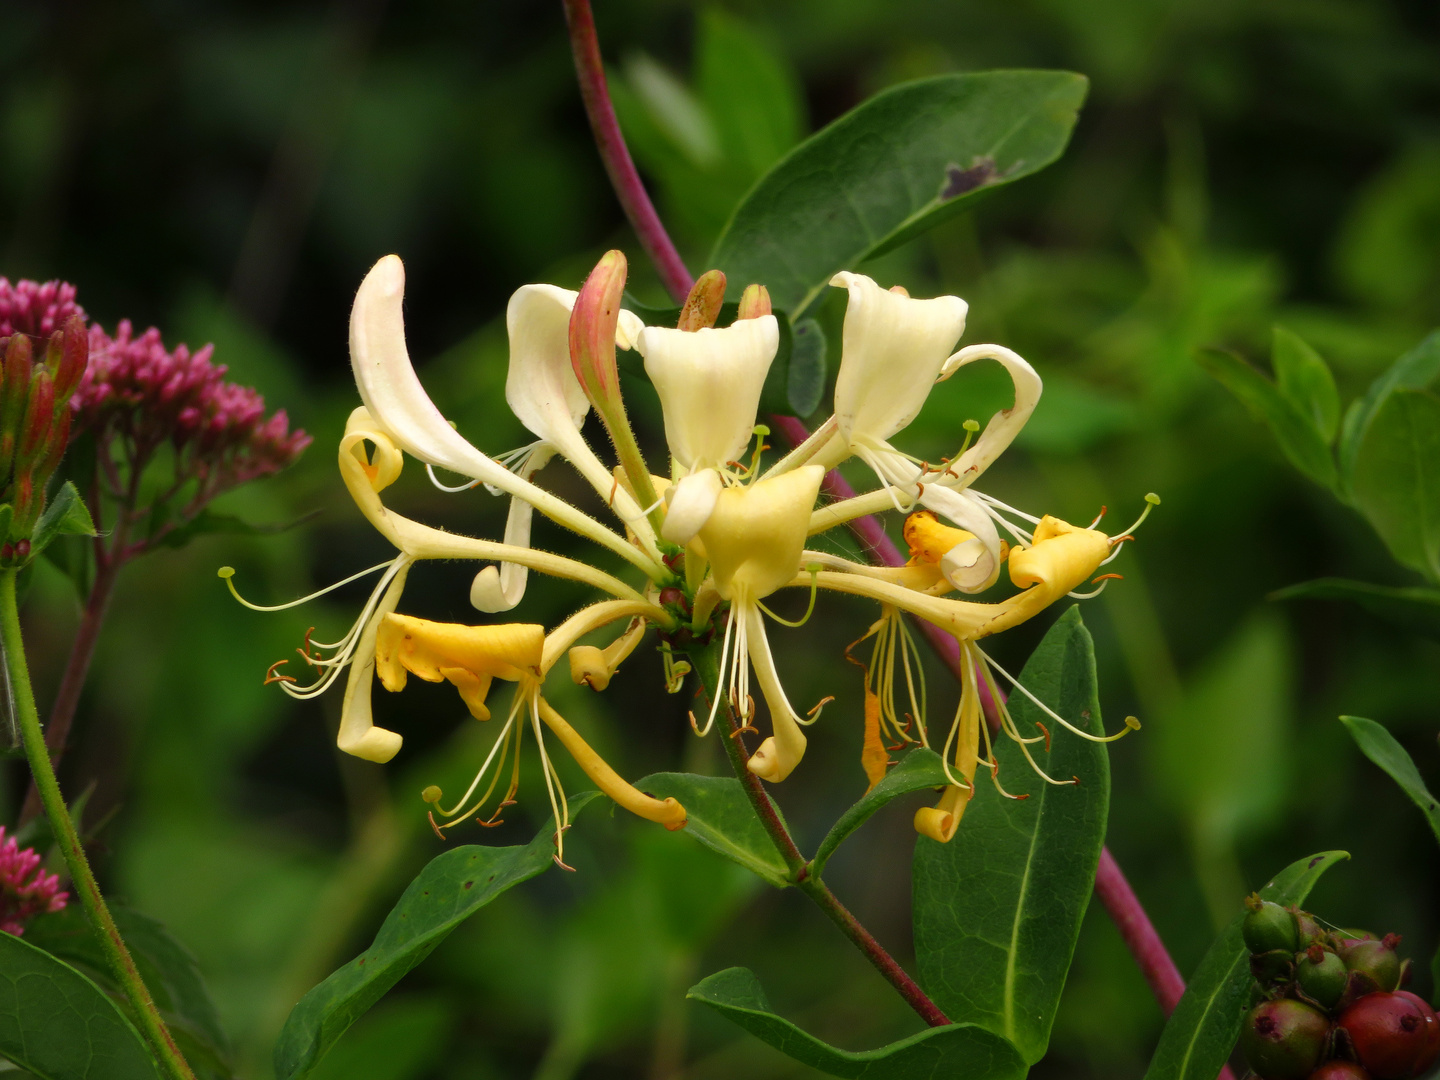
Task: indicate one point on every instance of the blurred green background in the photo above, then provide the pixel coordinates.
(229, 171)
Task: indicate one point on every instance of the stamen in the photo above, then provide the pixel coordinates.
(815, 710)
(1008, 509)
(1098, 516)
(814, 569)
(430, 472)
(432, 794)
(719, 693)
(272, 676)
(227, 573)
(1051, 712)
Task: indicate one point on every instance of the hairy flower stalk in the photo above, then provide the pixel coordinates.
(743, 530)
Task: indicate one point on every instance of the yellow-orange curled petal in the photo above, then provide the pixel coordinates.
(929, 539)
(940, 822)
(588, 667)
(667, 812)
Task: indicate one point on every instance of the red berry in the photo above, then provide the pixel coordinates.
(1339, 1070)
(1284, 1039)
(1396, 1036)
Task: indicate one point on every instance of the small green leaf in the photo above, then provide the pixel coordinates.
(1305, 380)
(1381, 747)
(65, 515)
(59, 1025)
(998, 909)
(208, 522)
(1296, 433)
(168, 968)
(1416, 370)
(450, 889)
(959, 1050)
(720, 816)
(1415, 607)
(1201, 1032)
(902, 162)
(919, 769)
(1396, 478)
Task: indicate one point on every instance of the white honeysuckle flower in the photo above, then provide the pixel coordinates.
(709, 383)
(395, 399)
(893, 349)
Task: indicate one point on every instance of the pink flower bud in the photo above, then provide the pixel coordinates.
(702, 306)
(67, 356)
(39, 416)
(54, 446)
(754, 302)
(592, 331)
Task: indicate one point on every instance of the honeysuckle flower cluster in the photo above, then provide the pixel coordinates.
(25, 889)
(703, 545)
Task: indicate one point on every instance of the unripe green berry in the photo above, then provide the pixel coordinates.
(1284, 1039)
(1268, 926)
(1322, 979)
(1374, 960)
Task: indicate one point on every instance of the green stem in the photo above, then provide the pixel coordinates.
(121, 962)
(799, 867)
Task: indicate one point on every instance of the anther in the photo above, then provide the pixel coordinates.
(1046, 730)
(1107, 577)
(272, 676)
(431, 815)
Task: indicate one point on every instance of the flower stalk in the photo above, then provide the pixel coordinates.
(707, 666)
(122, 964)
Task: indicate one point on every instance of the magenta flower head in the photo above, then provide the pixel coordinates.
(137, 395)
(25, 889)
(36, 308)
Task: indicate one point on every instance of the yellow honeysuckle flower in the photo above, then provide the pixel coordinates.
(719, 537)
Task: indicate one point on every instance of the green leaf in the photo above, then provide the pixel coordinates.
(59, 1025)
(65, 515)
(1396, 478)
(753, 98)
(1377, 744)
(1305, 380)
(450, 889)
(959, 1050)
(904, 161)
(207, 522)
(1201, 1032)
(1416, 370)
(719, 815)
(919, 769)
(805, 379)
(998, 909)
(1296, 433)
(168, 968)
(1415, 607)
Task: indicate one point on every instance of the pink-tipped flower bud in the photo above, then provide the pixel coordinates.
(702, 306)
(39, 417)
(66, 355)
(55, 445)
(593, 320)
(754, 302)
(23, 499)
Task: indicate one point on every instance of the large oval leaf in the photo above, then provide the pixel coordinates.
(450, 889)
(1384, 749)
(998, 909)
(1201, 1032)
(1396, 480)
(720, 816)
(59, 1025)
(959, 1050)
(899, 164)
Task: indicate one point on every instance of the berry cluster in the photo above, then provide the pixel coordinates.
(25, 889)
(1330, 1005)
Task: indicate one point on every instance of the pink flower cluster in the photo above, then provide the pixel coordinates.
(25, 890)
(137, 389)
(36, 308)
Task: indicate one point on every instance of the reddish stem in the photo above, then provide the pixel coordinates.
(634, 199)
(1114, 891)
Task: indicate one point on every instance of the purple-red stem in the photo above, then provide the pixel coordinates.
(1136, 929)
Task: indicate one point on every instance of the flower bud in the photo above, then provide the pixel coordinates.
(593, 320)
(1284, 1039)
(1323, 978)
(1395, 1036)
(22, 497)
(1268, 926)
(702, 306)
(39, 416)
(14, 387)
(754, 302)
(66, 356)
(1306, 929)
(1374, 961)
(54, 445)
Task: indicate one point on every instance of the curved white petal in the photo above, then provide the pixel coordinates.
(709, 382)
(1000, 432)
(500, 588)
(893, 350)
(543, 392)
(358, 734)
(974, 565)
(691, 505)
(776, 757)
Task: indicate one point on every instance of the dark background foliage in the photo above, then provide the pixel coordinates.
(229, 171)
